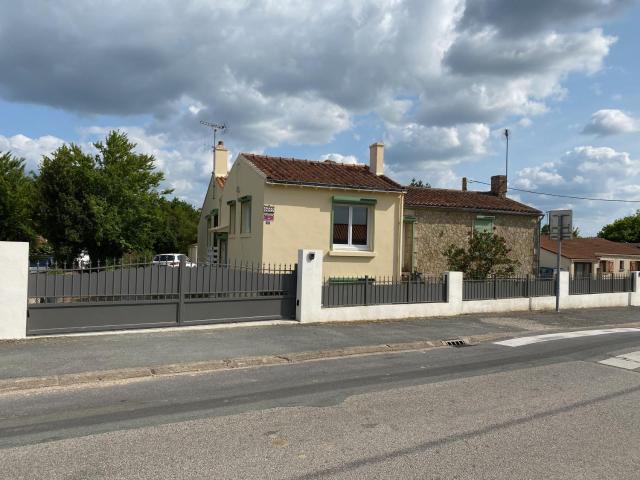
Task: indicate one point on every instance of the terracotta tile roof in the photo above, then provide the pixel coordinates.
(327, 173)
(221, 181)
(417, 197)
(588, 248)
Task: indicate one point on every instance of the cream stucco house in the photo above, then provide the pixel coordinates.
(266, 208)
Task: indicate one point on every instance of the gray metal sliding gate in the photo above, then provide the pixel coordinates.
(151, 295)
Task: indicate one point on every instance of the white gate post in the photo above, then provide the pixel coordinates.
(454, 292)
(564, 288)
(309, 288)
(14, 276)
(634, 296)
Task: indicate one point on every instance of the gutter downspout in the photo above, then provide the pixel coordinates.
(538, 246)
(400, 230)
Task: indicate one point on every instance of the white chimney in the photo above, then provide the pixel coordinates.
(220, 160)
(376, 158)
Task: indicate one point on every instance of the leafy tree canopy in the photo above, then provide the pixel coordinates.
(486, 254)
(179, 227)
(107, 203)
(626, 229)
(16, 200)
(419, 183)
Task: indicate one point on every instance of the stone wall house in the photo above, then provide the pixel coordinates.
(436, 218)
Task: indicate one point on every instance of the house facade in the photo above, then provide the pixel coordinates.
(266, 208)
(437, 218)
(209, 243)
(590, 256)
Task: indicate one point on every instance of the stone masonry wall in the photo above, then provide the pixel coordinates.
(436, 229)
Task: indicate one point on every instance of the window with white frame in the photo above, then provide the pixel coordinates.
(351, 229)
(245, 215)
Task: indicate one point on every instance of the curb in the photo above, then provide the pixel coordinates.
(84, 378)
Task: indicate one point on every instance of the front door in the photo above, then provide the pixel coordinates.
(407, 251)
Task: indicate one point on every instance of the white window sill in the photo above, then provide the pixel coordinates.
(351, 253)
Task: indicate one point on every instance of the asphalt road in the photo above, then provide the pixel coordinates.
(546, 410)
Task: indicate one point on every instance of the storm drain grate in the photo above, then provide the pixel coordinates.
(456, 342)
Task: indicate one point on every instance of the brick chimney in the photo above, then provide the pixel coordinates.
(499, 185)
(220, 160)
(464, 184)
(376, 158)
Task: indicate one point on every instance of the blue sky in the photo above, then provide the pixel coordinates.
(436, 81)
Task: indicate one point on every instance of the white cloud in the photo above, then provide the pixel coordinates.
(339, 158)
(610, 122)
(437, 74)
(31, 149)
(585, 171)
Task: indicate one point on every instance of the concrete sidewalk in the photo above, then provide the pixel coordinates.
(40, 357)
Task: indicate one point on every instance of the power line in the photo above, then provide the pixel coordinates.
(575, 197)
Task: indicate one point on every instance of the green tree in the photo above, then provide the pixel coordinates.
(626, 229)
(486, 254)
(179, 227)
(419, 183)
(126, 201)
(65, 187)
(107, 203)
(16, 200)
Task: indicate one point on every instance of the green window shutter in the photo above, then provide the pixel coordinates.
(483, 224)
(246, 198)
(409, 219)
(355, 200)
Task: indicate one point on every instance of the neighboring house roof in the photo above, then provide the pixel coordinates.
(588, 248)
(417, 197)
(221, 181)
(327, 173)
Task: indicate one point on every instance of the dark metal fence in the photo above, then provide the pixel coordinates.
(344, 292)
(152, 294)
(583, 285)
(147, 282)
(507, 287)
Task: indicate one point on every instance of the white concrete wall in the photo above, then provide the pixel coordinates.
(309, 308)
(14, 275)
(634, 297)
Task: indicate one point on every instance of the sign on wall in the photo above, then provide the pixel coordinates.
(269, 214)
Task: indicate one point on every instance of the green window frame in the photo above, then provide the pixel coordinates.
(483, 224)
(245, 214)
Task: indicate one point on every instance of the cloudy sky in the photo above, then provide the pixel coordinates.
(437, 81)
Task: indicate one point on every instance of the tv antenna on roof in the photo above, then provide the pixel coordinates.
(506, 134)
(216, 127)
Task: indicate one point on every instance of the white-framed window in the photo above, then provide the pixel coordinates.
(245, 216)
(232, 218)
(351, 227)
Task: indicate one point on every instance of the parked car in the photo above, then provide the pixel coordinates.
(41, 264)
(172, 260)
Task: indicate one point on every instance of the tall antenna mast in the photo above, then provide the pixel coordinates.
(216, 127)
(506, 134)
